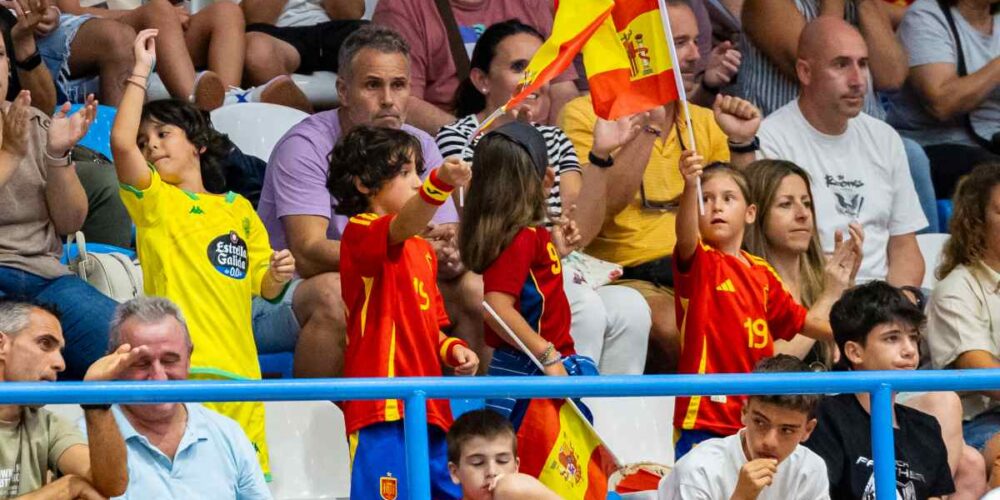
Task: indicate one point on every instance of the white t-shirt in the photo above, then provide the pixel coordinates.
(711, 469)
(861, 175)
(302, 13)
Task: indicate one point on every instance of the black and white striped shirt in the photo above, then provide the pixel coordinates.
(562, 156)
(769, 89)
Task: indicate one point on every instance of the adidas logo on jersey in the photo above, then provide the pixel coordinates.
(726, 286)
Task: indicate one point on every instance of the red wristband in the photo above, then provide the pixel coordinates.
(438, 183)
(427, 198)
(447, 351)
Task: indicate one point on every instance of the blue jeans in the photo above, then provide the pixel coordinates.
(920, 172)
(85, 314)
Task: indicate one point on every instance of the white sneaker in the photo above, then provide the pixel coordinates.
(209, 92)
(280, 90)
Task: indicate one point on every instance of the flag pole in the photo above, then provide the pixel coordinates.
(681, 93)
(539, 365)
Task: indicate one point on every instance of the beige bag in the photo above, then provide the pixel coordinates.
(113, 274)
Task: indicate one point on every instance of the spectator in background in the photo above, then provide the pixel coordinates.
(772, 31)
(963, 328)
(207, 455)
(41, 199)
(638, 230)
(858, 161)
(763, 460)
(34, 443)
(298, 211)
(433, 75)
(611, 324)
(951, 102)
(876, 327)
(785, 235)
(296, 36)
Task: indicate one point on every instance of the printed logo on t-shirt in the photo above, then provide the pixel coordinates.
(228, 253)
(470, 35)
(10, 481)
(847, 193)
(905, 489)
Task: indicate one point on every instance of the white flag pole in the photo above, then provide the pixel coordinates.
(538, 364)
(681, 93)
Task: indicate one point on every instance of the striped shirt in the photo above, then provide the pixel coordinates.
(764, 85)
(562, 157)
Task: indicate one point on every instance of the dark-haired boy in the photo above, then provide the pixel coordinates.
(482, 459)
(761, 461)
(876, 327)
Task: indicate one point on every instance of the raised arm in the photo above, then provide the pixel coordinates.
(774, 26)
(64, 195)
(33, 15)
(688, 233)
(129, 161)
(839, 275)
(418, 212)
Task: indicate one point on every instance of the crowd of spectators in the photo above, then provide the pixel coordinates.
(824, 133)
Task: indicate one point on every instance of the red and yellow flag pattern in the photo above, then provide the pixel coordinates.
(628, 61)
(574, 23)
(556, 445)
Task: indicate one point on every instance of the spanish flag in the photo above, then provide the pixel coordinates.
(574, 23)
(628, 61)
(559, 447)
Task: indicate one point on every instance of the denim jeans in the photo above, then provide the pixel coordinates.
(920, 171)
(85, 314)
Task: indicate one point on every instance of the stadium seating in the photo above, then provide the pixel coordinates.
(256, 127)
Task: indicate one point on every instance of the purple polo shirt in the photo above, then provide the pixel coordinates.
(295, 181)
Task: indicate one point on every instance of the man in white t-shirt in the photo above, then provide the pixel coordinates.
(296, 36)
(857, 163)
(763, 460)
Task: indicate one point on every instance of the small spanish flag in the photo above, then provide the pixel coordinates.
(561, 449)
(574, 23)
(628, 61)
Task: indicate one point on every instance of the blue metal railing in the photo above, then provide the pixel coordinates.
(416, 391)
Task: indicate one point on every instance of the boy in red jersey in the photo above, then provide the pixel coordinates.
(395, 311)
(731, 305)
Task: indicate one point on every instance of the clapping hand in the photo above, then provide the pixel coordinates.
(65, 131)
(15, 125)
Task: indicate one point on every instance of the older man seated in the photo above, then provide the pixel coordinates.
(176, 450)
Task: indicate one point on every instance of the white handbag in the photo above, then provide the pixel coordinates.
(113, 274)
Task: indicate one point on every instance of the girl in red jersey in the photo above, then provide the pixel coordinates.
(732, 305)
(395, 313)
(503, 237)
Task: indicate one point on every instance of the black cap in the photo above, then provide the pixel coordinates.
(529, 138)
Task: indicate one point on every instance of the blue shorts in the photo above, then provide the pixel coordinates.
(508, 361)
(55, 52)
(978, 431)
(686, 440)
(275, 327)
(378, 463)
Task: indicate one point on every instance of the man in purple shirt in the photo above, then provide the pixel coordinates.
(373, 85)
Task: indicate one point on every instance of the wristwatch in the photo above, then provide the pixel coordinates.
(749, 147)
(30, 63)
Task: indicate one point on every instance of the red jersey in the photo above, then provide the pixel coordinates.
(729, 314)
(530, 270)
(394, 316)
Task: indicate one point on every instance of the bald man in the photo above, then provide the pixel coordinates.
(857, 163)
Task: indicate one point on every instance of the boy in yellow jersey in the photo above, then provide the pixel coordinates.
(207, 252)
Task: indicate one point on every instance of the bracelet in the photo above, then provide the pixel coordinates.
(435, 191)
(446, 351)
(52, 161)
(141, 85)
(599, 162)
(555, 359)
(29, 63)
(649, 129)
(749, 147)
(545, 354)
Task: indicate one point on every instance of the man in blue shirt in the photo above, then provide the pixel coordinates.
(177, 450)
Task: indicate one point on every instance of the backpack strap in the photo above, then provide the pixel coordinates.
(455, 44)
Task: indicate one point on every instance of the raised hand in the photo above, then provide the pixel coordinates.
(737, 118)
(723, 64)
(30, 14)
(49, 22)
(839, 269)
(66, 131)
(282, 266)
(144, 49)
(611, 135)
(15, 125)
(691, 166)
(455, 171)
(112, 366)
(565, 234)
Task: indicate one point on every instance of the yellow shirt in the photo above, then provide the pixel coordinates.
(207, 253)
(637, 235)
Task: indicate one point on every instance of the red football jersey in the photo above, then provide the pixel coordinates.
(530, 270)
(394, 316)
(729, 314)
